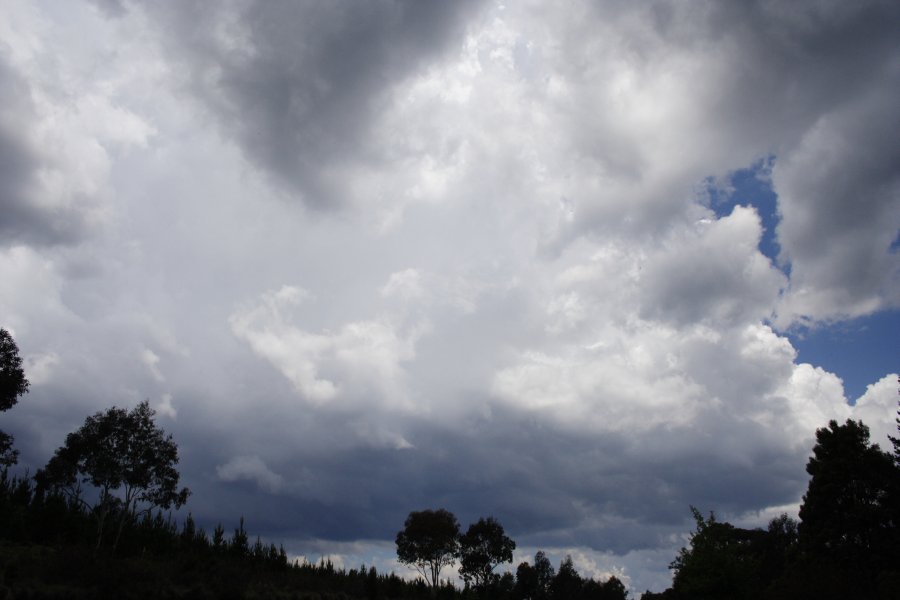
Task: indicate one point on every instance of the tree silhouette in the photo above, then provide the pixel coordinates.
(567, 582)
(849, 513)
(895, 441)
(126, 458)
(723, 561)
(533, 582)
(483, 547)
(611, 589)
(429, 541)
(12, 385)
(526, 582)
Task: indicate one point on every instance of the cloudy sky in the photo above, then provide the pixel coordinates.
(575, 265)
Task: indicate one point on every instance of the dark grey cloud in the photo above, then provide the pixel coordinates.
(53, 150)
(296, 84)
(609, 492)
(755, 78)
(110, 8)
(24, 215)
(556, 331)
(841, 208)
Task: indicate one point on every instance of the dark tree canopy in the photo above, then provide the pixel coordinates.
(846, 544)
(12, 378)
(483, 547)
(611, 589)
(12, 385)
(567, 582)
(8, 455)
(895, 441)
(429, 541)
(533, 582)
(723, 561)
(850, 510)
(126, 458)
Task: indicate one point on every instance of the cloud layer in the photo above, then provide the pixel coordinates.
(370, 259)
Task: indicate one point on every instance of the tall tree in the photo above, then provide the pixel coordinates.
(611, 589)
(12, 385)
(567, 583)
(484, 546)
(722, 562)
(544, 574)
(429, 541)
(849, 513)
(526, 582)
(895, 441)
(533, 582)
(126, 458)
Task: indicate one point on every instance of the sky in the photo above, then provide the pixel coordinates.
(578, 266)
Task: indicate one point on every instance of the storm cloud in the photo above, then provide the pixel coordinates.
(371, 258)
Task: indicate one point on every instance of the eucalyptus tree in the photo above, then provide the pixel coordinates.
(12, 385)
(484, 546)
(127, 461)
(429, 541)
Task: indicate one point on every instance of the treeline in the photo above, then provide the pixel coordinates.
(48, 550)
(539, 581)
(96, 522)
(431, 540)
(846, 544)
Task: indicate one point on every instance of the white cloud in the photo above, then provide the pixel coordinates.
(64, 126)
(40, 367)
(878, 409)
(166, 408)
(250, 468)
(337, 368)
(151, 360)
(512, 277)
(815, 396)
(405, 286)
(32, 288)
(714, 273)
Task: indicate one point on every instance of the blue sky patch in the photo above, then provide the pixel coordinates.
(860, 351)
(751, 186)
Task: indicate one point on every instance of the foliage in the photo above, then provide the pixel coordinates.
(895, 441)
(611, 589)
(127, 459)
(567, 583)
(845, 546)
(541, 582)
(429, 541)
(484, 546)
(12, 378)
(12, 385)
(850, 510)
(44, 537)
(850, 518)
(533, 582)
(722, 561)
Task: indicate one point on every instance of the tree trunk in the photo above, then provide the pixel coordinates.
(101, 519)
(126, 513)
